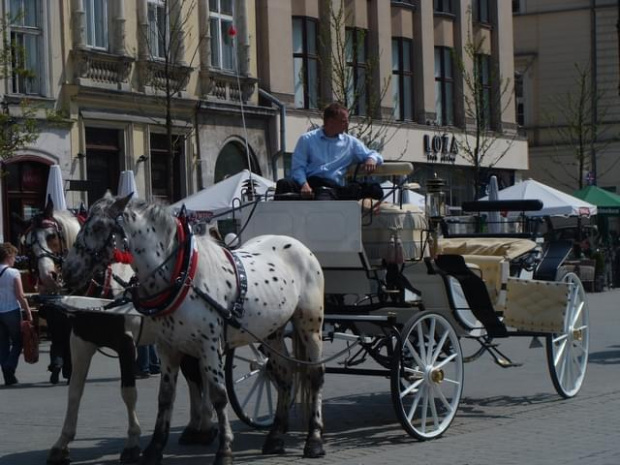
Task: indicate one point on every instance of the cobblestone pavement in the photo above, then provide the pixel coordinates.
(507, 416)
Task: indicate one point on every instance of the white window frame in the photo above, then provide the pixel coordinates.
(97, 14)
(220, 50)
(158, 36)
(26, 37)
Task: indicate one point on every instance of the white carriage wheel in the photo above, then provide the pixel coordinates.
(427, 375)
(251, 392)
(567, 352)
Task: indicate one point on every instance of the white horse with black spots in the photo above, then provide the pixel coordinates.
(47, 239)
(191, 287)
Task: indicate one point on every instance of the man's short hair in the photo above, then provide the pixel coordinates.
(333, 110)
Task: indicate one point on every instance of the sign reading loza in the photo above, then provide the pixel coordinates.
(442, 148)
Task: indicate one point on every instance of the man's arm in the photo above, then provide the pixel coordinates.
(299, 165)
(370, 158)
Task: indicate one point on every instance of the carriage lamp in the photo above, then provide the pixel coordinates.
(435, 207)
(435, 199)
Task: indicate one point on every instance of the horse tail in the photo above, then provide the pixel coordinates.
(308, 376)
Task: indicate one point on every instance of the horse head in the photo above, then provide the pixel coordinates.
(47, 240)
(96, 243)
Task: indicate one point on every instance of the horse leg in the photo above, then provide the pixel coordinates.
(170, 360)
(82, 353)
(309, 347)
(126, 359)
(212, 367)
(200, 429)
(280, 371)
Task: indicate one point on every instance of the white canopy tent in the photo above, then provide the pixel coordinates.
(555, 202)
(225, 194)
(408, 196)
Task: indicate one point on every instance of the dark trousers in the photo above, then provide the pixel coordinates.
(10, 339)
(326, 189)
(59, 328)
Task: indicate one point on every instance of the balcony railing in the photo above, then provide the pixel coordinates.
(101, 69)
(158, 76)
(223, 86)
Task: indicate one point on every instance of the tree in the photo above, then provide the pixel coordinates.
(351, 74)
(164, 30)
(19, 129)
(486, 96)
(576, 120)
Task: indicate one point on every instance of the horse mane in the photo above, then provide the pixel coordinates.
(69, 224)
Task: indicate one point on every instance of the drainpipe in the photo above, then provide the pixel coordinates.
(594, 87)
(282, 107)
(198, 157)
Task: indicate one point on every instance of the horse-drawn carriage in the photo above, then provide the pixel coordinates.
(405, 310)
(398, 297)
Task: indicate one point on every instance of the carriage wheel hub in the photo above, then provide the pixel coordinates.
(577, 335)
(437, 376)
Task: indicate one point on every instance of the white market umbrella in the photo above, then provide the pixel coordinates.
(555, 202)
(55, 188)
(408, 196)
(127, 184)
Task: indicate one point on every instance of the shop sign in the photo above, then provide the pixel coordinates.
(441, 148)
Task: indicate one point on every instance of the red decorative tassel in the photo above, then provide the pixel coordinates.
(122, 257)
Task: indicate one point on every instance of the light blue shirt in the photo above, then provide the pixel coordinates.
(328, 157)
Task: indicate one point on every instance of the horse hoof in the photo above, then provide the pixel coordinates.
(151, 457)
(58, 456)
(223, 458)
(197, 437)
(273, 446)
(314, 449)
(130, 455)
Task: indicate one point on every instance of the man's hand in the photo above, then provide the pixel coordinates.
(370, 166)
(306, 190)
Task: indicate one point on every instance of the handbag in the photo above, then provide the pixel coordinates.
(30, 340)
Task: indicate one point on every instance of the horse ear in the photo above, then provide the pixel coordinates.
(48, 212)
(119, 205)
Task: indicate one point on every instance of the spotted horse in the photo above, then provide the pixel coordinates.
(47, 239)
(202, 299)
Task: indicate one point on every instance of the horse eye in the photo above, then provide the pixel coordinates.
(50, 237)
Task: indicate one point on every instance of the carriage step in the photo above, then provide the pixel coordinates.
(351, 337)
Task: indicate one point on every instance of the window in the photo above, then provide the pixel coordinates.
(96, 23)
(402, 78)
(159, 39)
(519, 99)
(166, 182)
(26, 36)
(484, 104)
(444, 86)
(406, 2)
(516, 6)
(356, 73)
(481, 11)
(103, 155)
(221, 21)
(442, 6)
(305, 62)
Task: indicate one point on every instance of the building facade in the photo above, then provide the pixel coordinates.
(566, 65)
(224, 85)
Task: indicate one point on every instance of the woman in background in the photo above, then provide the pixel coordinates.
(12, 302)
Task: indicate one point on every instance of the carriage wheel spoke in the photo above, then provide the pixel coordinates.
(577, 315)
(446, 361)
(433, 405)
(414, 404)
(413, 387)
(414, 353)
(247, 376)
(439, 347)
(421, 345)
(561, 347)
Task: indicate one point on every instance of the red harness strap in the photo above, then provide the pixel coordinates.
(167, 301)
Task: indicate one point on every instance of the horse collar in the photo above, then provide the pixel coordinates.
(183, 274)
(242, 282)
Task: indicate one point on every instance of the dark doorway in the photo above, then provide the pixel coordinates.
(103, 153)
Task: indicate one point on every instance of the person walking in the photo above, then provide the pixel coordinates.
(12, 302)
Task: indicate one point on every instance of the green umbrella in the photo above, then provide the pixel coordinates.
(607, 202)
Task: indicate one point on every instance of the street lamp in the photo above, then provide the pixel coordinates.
(435, 208)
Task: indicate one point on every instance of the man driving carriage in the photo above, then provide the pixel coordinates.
(322, 157)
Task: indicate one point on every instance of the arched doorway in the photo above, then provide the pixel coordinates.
(24, 186)
(233, 159)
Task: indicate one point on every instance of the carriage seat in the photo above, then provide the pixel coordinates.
(380, 220)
